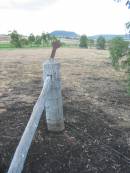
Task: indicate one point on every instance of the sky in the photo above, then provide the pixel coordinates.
(90, 17)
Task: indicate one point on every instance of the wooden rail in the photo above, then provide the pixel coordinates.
(20, 155)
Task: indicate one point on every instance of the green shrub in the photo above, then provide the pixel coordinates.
(15, 39)
(118, 48)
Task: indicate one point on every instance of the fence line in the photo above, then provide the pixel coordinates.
(25, 142)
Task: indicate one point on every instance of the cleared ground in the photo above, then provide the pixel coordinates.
(96, 111)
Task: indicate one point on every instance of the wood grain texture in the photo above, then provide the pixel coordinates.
(53, 105)
(27, 137)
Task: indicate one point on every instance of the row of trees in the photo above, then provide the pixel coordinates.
(85, 42)
(46, 39)
(18, 40)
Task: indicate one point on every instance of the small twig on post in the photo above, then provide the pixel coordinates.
(55, 46)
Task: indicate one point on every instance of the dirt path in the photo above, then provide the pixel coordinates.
(96, 110)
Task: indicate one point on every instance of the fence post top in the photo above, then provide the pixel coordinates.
(51, 61)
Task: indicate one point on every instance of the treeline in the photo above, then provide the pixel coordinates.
(43, 40)
(100, 43)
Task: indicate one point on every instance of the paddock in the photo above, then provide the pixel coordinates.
(96, 110)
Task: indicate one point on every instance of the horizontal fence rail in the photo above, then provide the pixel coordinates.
(20, 155)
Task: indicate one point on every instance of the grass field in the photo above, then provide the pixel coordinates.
(96, 111)
(5, 45)
(69, 43)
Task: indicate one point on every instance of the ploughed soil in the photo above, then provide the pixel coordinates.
(96, 138)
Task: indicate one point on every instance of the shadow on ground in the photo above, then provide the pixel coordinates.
(89, 143)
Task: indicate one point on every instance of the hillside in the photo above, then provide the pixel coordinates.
(69, 34)
(64, 34)
(110, 37)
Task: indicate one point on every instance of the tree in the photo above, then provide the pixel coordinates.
(38, 40)
(100, 42)
(90, 43)
(31, 38)
(83, 41)
(24, 41)
(127, 61)
(52, 38)
(127, 2)
(43, 38)
(48, 38)
(15, 39)
(118, 48)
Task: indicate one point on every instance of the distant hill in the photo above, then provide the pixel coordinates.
(69, 34)
(110, 37)
(64, 34)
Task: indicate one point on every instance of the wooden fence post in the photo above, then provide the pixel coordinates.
(53, 105)
(21, 152)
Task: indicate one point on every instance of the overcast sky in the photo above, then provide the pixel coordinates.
(88, 17)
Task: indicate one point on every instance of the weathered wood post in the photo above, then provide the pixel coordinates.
(53, 105)
(21, 152)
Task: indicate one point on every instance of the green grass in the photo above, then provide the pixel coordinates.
(5, 45)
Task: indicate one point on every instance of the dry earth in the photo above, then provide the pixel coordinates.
(96, 111)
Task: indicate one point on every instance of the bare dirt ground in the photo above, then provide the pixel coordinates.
(96, 111)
